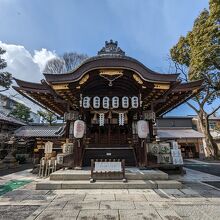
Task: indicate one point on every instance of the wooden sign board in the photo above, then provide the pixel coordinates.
(154, 148)
(164, 148)
(48, 147)
(174, 145)
(164, 159)
(177, 160)
(60, 158)
(176, 153)
(108, 167)
(68, 148)
(177, 157)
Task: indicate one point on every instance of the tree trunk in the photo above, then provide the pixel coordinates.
(204, 125)
(212, 142)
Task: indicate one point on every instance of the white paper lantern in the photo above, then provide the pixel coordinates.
(142, 128)
(115, 102)
(96, 102)
(86, 102)
(105, 102)
(125, 102)
(79, 128)
(134, 102)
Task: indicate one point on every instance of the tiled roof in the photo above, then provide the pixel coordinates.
(10, 120)
(215, 134)
(40, 131)
(178, 133)
(214, 117)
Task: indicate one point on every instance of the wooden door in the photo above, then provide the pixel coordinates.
(109, 135)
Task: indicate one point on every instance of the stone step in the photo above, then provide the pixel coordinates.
(69, 175)
(110, 184)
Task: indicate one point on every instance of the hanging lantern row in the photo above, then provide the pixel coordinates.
(96, 102)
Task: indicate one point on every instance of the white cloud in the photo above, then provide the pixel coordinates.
(41, 57)
(25, 66)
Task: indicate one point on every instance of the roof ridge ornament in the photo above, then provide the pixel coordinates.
(111, 48)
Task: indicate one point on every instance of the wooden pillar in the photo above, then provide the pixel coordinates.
(142, 154)
(109, 132)
(77, 153)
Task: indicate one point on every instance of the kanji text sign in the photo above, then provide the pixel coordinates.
(108, 167)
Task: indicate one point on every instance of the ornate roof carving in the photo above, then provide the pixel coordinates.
(111, 48)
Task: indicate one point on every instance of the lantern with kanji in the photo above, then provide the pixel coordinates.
(143, 129)
(79, 128)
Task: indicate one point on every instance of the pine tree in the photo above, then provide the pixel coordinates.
(22, 112)
(199, 53)
(5, 77)
(48, 116)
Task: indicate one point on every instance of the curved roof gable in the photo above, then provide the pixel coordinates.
(111, 56)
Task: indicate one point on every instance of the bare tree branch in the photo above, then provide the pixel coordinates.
(215, 110)
(193, 107)
(3, 90)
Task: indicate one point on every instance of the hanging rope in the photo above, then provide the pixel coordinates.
(78, 143)
(121, 119)
(111, 80)
(101, 119)
(142, 143)
(122, 116)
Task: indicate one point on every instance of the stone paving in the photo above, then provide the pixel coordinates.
(194, 201)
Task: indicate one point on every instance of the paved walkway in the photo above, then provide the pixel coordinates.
(21, 167)
(210, 167)
(197, 161)
(194, 201)
(21, 175)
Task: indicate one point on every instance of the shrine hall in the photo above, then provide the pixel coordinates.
(110, 103)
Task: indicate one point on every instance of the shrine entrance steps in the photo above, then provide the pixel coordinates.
(126, 153)
(137, 179)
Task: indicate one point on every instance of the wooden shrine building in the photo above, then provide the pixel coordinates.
(110, 92)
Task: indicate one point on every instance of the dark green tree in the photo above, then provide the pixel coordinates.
(47, 116)
(22, 112)
(5, 77)
(197, 56)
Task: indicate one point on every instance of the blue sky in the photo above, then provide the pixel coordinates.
(145, 29)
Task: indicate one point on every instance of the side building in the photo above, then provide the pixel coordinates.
(7, 104)
(7, 127)
(184, 131)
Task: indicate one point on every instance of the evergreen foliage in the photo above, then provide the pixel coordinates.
(48, 116)
(22, 112)
(199, 54)
(5, 77)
